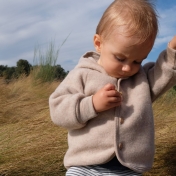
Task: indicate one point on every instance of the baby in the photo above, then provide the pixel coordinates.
(105, 102)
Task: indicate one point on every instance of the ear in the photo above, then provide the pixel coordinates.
(97, 42)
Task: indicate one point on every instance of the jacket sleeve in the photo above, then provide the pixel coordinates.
(162, 74)
(69, 106)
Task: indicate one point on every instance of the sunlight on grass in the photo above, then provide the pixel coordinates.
(30, 144)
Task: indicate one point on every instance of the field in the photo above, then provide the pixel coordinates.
(31, 145)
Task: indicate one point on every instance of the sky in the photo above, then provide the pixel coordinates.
(70, 25)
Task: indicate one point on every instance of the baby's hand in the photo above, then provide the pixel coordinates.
(172, 43)
(106, 98)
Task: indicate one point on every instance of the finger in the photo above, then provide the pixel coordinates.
(109, 87)
(114, 99)
(114, 93)
(119, 94)
(112, 105)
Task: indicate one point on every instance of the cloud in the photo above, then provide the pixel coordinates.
(167, 26)
(26, 24)
(162, 40)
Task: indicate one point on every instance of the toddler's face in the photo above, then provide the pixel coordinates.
(120, 55)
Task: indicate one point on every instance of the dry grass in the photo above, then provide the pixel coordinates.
(30, 144)
(165, 123)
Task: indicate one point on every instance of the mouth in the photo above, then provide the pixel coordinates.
(123, 76)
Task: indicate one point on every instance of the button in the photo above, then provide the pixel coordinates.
(120, 146)
(121, 121)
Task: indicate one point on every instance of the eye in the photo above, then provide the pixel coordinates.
(136, 62)
(120, 60)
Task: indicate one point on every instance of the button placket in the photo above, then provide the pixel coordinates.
(121, 145)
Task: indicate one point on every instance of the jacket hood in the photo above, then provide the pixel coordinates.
(89, 60)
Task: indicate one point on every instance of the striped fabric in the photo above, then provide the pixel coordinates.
(99, 171)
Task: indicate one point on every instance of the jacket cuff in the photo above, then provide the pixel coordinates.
(171, 57)
(87, 110)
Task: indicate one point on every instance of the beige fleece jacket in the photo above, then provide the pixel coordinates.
(126, 131)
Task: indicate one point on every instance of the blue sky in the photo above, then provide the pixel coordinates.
(26, 24)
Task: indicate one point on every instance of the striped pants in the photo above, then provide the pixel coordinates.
(99, 171)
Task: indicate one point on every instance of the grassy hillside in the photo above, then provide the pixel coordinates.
(30, 144)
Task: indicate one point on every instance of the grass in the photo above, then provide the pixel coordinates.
(31, 145)
(45, 60)
(165, 123)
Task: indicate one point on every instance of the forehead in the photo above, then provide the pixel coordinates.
(124, 30)
(129, 46)
(121, 33)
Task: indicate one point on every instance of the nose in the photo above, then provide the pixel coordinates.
(126, 68)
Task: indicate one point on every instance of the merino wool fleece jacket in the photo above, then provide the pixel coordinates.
(126, 131)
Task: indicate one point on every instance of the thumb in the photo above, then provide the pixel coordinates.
(109, 87)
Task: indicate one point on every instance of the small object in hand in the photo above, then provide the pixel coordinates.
(119, 92)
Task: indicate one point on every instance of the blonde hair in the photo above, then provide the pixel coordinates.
(140, 16)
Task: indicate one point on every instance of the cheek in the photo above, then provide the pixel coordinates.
(117, 67)
(113, 64)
